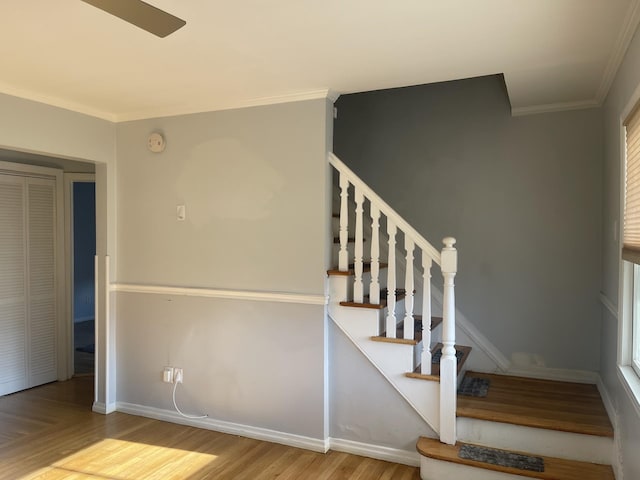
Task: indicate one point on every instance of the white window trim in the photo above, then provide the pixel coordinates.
(629, 377)
(626, 372)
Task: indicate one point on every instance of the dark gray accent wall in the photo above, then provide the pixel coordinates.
(521, 194)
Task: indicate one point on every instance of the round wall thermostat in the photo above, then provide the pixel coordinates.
(156, 143)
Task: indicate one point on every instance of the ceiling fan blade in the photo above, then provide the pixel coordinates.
(141, 15)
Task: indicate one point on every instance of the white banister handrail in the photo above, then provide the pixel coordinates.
(343, 256)
(448, 361)
(446, 259)
(389, 212)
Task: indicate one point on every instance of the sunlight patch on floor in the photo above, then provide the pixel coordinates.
(114, 459)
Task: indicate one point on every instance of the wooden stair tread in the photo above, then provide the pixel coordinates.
(435, 321)
(563, 406)
(554, 468)
(400, 294)
(366, 267)
(435, 368)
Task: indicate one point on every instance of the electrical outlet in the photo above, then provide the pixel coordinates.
(178, 375)
(168, 374)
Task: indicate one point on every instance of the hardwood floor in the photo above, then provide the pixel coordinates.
(50, 433)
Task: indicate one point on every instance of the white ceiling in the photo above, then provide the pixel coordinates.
(554, 54)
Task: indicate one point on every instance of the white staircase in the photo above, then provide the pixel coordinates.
(392, 327)
(357, 308)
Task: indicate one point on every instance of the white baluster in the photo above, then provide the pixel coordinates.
(374, 288)
(425, 365)
(391, 281)
(343, 255)
(358, 287)
(448, 363)
(408, 286)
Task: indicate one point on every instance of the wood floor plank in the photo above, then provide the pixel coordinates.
(50, 433)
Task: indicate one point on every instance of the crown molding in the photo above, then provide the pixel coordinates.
(55, 102)
(165, 112)
(333, 96)
(554, 107)
(632, 19)
(214, 107)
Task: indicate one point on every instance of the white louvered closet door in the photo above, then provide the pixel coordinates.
(28, 354)
(41, 260)
(13, 286)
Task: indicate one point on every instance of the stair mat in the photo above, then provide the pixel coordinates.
(437, 354)
(474, 387)
(502, 458)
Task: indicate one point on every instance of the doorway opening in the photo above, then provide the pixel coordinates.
(83, 246)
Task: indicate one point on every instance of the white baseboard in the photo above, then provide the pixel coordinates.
(378, 452)
(375, 451)
(292, 440)
(616, 458)
(559, 374)
(103, 408)
(606, 400)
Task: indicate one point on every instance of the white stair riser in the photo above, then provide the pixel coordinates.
(360, 324)
(340, 288)
(431, 469)
(537, 441)
(393, 358)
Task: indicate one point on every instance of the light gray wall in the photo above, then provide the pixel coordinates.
(34, 127)
(522, 196)
(254, 183)
(626, 82)
(364, 406)
(253, 363)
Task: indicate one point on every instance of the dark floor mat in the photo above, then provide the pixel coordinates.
(474, 387)
(502, 458)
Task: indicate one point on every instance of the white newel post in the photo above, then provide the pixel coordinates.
(448, 363)
(358, 287)
(343, 255)
(425, 362)
(408, 286)
(391, 281)
(374, 288)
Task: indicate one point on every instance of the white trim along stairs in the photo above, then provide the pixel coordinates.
(418, 355)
